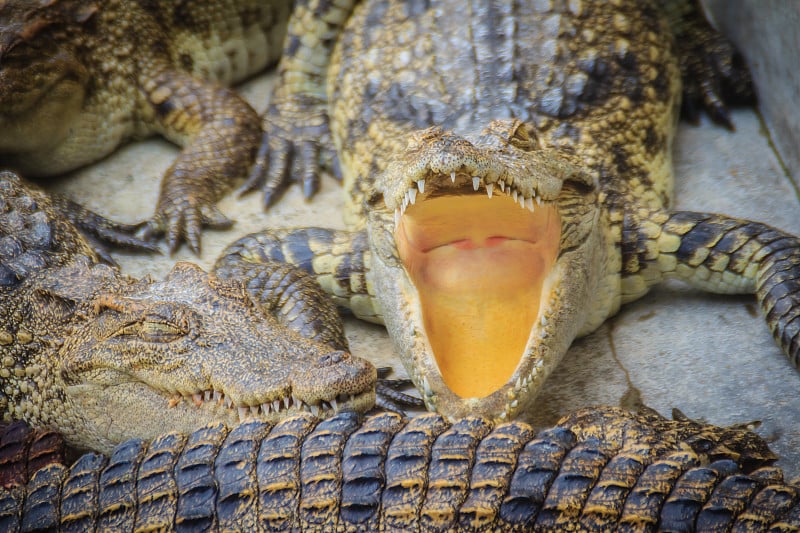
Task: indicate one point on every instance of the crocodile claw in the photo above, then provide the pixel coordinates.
(389, 397)
(290, 153)
(102, 233)
(714, 73)
(183, 221)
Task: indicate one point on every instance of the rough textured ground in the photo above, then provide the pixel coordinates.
(710, 356)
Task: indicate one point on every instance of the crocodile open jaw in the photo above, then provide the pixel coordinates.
(478, 254)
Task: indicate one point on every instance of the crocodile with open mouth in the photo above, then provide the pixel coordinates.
(102, 357)
(509, 178)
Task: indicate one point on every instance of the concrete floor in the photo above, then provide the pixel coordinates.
(710, 356)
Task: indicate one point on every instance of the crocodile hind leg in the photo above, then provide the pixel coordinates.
(717, 254)
(219, 132)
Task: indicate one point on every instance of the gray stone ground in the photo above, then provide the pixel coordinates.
(710, 356)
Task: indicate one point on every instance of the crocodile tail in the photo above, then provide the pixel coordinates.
(24, 450)
(338, 260)
(389, 473)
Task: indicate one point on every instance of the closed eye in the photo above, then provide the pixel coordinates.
(151, 331)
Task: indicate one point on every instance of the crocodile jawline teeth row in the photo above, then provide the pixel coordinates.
(418, 187)
(323, 407)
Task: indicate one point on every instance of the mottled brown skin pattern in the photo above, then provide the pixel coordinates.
(102, 357)
(575, 101)
(79, 78)
(597, 470)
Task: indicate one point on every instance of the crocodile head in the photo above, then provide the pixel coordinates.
(482, 258)
(176, 354)
(43, 82)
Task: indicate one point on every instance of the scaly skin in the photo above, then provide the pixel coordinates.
(597, 470)
(78, 78)
(24, 450)
(445, 115)
(102, 357)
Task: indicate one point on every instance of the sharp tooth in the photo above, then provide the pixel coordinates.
(334, 405)
(286, 402)
(207, 395)
(489, 189)
(217, 396)
(266, 407)
(229, 402)
(502, 185)
(405, 201)
(538, 201)
(324, 406)
(175, 400)
(514, 194)
(421, 185)
(529, 204)
(276, 405)
(412, 195)
(476, 182)
(453, 176)
(243, 413)
(522, 201)
(197, 398)
(314, 409)
(254, 410)
(396, 217)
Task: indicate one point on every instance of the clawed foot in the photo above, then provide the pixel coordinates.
(389, 396)
(102, 233)
(182, 219)
(714, 73)
(293, 149)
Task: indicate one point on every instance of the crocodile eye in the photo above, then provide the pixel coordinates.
(152, 331)
(160, 331)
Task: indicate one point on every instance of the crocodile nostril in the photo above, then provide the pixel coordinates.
(332, 358)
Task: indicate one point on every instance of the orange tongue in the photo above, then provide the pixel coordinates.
(478, 265)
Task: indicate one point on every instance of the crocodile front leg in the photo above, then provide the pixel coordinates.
(219, 132)
(297, 141)
(717, 254)
(284, 291)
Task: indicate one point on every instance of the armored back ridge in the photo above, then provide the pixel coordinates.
(597, 470)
